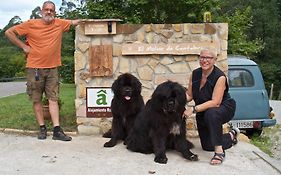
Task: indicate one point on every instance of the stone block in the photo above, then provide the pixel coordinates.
(145, 73)
(178, 67)
(197, 28)
(89, 130)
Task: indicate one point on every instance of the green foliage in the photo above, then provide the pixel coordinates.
(263, 142)
(66, 71)
(266, 26)
(269, 140)
(11, 62)
(240, 22)
(151, 11)
(272, 74)
(35, 14)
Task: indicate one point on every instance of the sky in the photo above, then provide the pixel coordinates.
(21, 8)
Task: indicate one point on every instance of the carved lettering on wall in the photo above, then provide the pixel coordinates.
(171, 49)
(100, 60)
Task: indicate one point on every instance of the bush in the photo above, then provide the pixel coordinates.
(66, 71)
(271, 74)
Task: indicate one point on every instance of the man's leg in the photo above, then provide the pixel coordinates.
(34, 90)
(54, 111)
(52, 93)
(37, 107)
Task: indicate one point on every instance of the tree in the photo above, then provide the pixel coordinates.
(267, 30)
(151, 11)
(35, 14)
(240, 22)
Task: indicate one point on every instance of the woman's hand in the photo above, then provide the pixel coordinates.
(188, 112)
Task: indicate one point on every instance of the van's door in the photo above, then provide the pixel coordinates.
(246, 86)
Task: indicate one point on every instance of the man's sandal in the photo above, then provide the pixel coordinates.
(219, 157)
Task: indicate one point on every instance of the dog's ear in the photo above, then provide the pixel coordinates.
(180, 90)
(114, 86)
(138, 85)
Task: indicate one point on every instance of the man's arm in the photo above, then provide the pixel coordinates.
(11, 34)
(76, 22)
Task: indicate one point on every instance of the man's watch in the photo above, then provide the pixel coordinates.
(194, 111)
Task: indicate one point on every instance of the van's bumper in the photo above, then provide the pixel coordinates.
(268, 122)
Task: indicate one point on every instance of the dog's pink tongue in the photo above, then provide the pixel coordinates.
(127, 97)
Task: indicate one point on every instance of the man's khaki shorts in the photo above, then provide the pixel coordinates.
(42, 80)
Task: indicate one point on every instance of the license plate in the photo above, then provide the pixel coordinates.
(241, 124)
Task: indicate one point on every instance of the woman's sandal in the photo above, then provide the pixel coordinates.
(219, 157)
(235, 132)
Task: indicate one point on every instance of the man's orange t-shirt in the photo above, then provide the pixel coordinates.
(44, 40)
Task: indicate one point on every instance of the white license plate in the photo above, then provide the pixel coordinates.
(240, 124)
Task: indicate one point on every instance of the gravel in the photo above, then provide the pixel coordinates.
(274, 133)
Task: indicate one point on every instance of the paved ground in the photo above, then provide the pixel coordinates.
(22, 155)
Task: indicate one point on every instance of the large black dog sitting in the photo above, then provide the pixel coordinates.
(160, 126)
(126, 104)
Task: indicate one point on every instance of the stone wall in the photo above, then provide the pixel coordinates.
(151, 69)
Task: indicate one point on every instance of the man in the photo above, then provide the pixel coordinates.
(43, 57)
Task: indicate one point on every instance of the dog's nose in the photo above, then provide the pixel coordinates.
(171, 105)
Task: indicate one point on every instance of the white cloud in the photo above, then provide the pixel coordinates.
(21, 8)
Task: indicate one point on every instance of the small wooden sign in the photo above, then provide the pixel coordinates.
(100, 26)
(100, 60)
(99, 102)
(171, 49)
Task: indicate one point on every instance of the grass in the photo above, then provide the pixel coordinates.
(263, 142)
(269, 138)
(16, 111)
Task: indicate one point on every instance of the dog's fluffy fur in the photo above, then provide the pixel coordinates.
(126, 104)
(160, 126)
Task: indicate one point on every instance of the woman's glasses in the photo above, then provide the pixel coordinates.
(205, 58)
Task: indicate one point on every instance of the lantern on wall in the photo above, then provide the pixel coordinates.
(207, 17)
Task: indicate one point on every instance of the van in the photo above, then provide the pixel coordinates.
(246, 87)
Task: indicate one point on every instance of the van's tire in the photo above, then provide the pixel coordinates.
(253, 132)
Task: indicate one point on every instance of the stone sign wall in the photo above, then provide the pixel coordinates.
(152, 52)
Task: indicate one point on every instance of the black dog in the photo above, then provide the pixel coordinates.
(126, 104)
(160, 125)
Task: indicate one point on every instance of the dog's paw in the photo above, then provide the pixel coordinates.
(161, 159)
(110, 144)
(107, 134)
(193, 157)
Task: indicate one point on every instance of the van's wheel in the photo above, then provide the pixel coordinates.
(253, 132)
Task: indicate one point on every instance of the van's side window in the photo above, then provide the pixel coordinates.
(240, 78)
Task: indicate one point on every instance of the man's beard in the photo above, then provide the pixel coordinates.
(47, 18)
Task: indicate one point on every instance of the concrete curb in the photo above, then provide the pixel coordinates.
(28, 132)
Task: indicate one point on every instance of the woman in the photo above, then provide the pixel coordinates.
(213, 106)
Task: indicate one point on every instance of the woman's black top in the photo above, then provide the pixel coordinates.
(205, 93)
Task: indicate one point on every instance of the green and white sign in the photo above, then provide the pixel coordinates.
(99, 101)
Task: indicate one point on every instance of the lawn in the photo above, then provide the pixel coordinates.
(16, 111)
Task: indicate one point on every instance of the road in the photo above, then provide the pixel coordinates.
(11, 88)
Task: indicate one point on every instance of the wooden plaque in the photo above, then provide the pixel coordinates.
(100, 60)
(171, 48)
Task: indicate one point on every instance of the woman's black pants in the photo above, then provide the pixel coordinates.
(209, 125)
